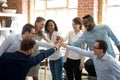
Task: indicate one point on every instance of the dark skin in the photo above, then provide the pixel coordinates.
(89, 25)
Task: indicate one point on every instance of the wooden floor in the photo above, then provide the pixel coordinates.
(46, 75)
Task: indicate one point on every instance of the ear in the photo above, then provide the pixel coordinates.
(26, 32)
(29, 52)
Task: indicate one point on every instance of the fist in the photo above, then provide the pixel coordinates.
(57, 38)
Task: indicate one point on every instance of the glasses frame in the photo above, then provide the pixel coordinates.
(96, 47)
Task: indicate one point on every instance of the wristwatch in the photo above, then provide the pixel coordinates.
(55, 48)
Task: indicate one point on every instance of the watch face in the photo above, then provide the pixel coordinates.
(55, 48)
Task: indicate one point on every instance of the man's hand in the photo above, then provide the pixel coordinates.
(81, 66)
(59, 42)
(58, 38)
(64, 44)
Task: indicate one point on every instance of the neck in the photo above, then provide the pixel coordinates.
(24, 52)
(76, 31)
(23, 36)
(101, 56)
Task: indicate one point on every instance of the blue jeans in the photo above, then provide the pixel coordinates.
(56, 68)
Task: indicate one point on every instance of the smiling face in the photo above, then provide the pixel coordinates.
(89, 25)
(40, 25)
(51, 27)
(96, 48)
(75, 26)
(100, 47)
(30, 34)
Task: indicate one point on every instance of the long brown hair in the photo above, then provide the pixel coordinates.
(38, 19)
(77, 20)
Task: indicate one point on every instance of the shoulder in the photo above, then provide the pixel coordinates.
(109, 58)
(38, 37)
(6, 54)
(85, 33)
(102, 26)
(81, 32)
(70, 32)
(11, 37)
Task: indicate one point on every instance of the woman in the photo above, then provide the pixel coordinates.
(56, 59)
(39, 35)
(73, 62)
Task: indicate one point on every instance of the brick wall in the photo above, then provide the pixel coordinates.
(21, 6)
(25, 9)
(84, 7)
(88, 7)
(15, 4)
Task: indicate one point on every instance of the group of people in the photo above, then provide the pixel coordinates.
(16, 51)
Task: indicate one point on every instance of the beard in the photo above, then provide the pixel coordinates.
(89, 27)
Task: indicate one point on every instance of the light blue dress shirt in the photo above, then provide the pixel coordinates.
(100, 32)
(12, 44)
(106, 69)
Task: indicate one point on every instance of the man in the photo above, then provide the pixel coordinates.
(107, 68)
(94, 32)
(12, 42)
(15, 65)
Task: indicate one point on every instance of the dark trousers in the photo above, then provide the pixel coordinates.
(89, 66)
(72, 69)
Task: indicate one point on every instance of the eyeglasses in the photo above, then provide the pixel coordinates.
(96, 47)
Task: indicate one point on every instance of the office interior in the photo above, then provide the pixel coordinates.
(61, 11)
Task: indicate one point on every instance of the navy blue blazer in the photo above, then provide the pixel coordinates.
(15, 65)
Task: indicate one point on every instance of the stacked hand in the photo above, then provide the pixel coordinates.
(59, 42)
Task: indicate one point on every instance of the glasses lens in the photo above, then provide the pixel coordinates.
(96, 47)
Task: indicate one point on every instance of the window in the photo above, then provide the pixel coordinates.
(56, 4)
(61, 11)
(112, 17)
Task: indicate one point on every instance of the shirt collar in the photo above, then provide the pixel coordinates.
(20, 37)
(92, 29)
(103, 58)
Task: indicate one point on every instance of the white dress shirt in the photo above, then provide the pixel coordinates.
(12, 43)
(58, 53)
(72, 36)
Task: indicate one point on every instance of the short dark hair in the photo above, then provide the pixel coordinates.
(27, 44)
(77, 20)
(46, 25)
(89, 17)
(27, 27)
(102, 45)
